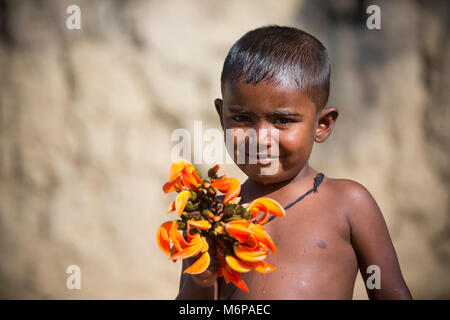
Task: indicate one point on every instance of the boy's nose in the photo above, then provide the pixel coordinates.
(263, 137)
(266, 137)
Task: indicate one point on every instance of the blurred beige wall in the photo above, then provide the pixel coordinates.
(86, 118)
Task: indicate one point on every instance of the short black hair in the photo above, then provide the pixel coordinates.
(266, 53)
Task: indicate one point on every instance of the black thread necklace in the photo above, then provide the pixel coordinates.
(317, 181)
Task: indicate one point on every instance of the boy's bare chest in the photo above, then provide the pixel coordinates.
(313, 246)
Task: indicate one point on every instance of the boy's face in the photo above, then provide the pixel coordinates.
(271, 107)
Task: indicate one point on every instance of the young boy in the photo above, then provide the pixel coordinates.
(278, 78)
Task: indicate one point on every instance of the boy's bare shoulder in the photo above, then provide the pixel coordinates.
(353, 197)
(347, 187)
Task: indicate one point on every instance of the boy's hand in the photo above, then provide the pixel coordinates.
(207, 277)
(199, 286)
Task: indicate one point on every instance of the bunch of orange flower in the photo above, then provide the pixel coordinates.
(235, 229)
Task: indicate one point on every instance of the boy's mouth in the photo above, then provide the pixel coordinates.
(262, 159)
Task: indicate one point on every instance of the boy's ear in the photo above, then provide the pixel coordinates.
(219, 107)
(326, 120)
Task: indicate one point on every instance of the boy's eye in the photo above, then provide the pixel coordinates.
(283, 121)
(241, 118)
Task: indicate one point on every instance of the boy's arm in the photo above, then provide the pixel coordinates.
(373, 246)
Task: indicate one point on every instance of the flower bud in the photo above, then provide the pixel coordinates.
(190, 206)
(212, 173)
(228, 211)
(246, 215)
(206, 213)
(240, 210)
(181, 225)
(193, 195)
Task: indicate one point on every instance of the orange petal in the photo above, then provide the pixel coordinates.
(225, 275)
(247, 255)
(235, 277)
(199, 180)
(174, 236)
(229, 274)
(237, 265)
(221, 184)
(171, 207)
(262, 236)
(241, 284)
(176, 168)
(233, 190)
(172, 186)
(190, 177)
(165, 227)
(256, 207)
(181, 173)
(188, 232)
(193, 249)
(177, 239)
(249, 233)
(181, 240)
(205, 245)
(270, 205)
(240, 221)
(169, 187)
(238, 229)
(162, 237)
(201, 224)
(263, 267)
(240, 226)
(251, 242)
(190, 182)
(200, 265)
(264, 218)
(181, 201)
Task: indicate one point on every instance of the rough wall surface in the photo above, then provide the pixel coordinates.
(86, 118)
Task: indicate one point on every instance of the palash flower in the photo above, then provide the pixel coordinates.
(268, 206)
(168, 235)
(182, 173)
(230, 186)
(233, 228)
